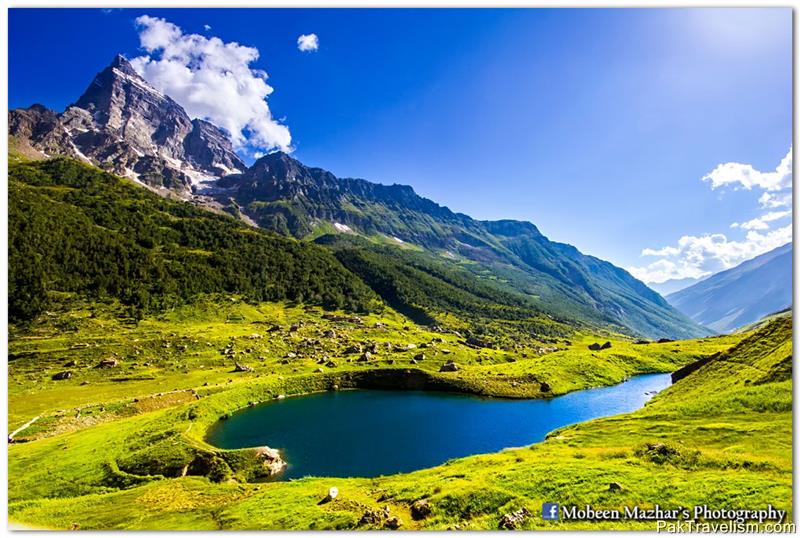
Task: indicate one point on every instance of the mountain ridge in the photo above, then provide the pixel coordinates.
(124, 125)
(741, 295)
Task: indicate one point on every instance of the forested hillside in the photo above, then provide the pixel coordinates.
(73, 228)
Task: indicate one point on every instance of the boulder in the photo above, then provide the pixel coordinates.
(71, 364)
(242, 368)
(420, 509)
(107, 363)
(271, 460)
(394, 523)
(595, 347)
(449, 366)
(544, 386)
(366, 356)
(370, 517)
(615, 486)
(607, 345)
(60, 376)
(514, 520)
(419, 357)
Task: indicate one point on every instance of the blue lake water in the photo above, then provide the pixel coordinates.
(376, 432)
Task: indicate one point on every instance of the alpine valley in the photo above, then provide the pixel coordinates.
(158, 284)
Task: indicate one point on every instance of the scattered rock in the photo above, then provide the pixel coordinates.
(607, 345)
(514, 520)
(71, 364)
(641, 342)
(370, 517)
(544, 386)
(419, 357)
(319, 371)
(294, 328)
(330, 333)
(62, 375)
(107, 363)
(664, 340)
(366, 356)
(615, 486)
(394, 523)
(242, 368)
(420, 509)
(595, 347)
(449, 366)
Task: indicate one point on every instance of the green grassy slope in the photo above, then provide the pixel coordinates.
(727, 426)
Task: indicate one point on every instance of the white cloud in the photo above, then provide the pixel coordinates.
(761, 223)
(697, 256)
(308, 42)
(212, 80)
(206, 27)
(744, 175)
(770, 200)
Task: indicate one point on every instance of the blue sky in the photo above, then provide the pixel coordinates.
(596, 125)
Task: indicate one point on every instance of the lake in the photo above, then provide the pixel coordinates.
(369, 433)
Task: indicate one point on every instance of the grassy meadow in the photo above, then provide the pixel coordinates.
(123, 447)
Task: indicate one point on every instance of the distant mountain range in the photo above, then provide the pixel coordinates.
(123, 125)
(673, 285)
(741, 295)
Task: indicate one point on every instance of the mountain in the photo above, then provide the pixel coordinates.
(124, 125)
(282, 194)
(673, 285)
(742, 295)
(76, 230)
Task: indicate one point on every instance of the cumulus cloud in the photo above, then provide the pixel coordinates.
(308, 42)
(697, 256)
(745, 176)
(212, 80)
(206, 27)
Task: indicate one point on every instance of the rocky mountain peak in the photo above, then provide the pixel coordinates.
(131, 128)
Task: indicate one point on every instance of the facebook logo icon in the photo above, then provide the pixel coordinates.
(550, 511)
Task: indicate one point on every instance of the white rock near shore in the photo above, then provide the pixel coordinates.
(271, 460)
